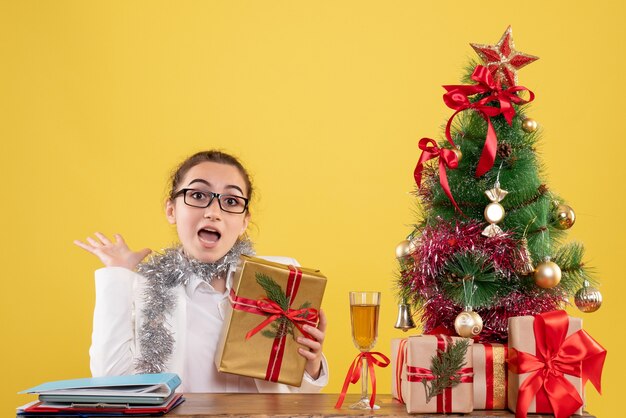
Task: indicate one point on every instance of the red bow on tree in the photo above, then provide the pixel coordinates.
(577, 355)
(457, 98)
(447, 158)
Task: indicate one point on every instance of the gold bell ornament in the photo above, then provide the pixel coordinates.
(405, 318)
(588, 299)
(547, 274)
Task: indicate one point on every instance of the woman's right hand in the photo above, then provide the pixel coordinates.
(113, 254)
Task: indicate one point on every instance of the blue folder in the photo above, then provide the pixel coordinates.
(138, 389)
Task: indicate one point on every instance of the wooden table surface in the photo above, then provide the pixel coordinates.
(198, 405)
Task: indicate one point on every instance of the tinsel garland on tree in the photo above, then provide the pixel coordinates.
(433, 286)
(449, 248)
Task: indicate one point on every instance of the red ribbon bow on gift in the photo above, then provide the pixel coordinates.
(273, 311)
(447, 158)
(457, 98)
(354, 373)
(577, 355)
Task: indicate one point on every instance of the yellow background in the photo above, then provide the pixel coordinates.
(323, 100)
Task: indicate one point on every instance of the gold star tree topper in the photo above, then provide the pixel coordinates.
(502, 59)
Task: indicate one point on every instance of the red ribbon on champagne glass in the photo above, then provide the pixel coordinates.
(354, 373)
(457, 98)
(273, 311)
(447, 158)
(577, 355)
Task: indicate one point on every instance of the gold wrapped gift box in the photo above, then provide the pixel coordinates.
(272, 352)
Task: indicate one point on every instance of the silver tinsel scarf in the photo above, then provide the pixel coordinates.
(164, 273)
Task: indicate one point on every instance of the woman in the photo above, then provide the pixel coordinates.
(167, 315)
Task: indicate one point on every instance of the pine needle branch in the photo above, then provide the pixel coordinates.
(445, 366)
(476, 268)
(273, 290)
(569, 258)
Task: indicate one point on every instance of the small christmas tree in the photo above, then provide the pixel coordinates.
(489, 243)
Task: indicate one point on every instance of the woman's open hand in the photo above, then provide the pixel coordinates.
(312, 350)
(113, 254)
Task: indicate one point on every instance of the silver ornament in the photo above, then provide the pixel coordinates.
(588, 299)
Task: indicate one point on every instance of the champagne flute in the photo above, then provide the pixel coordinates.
(364, 316)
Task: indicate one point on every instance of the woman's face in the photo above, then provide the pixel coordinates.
(207, 234)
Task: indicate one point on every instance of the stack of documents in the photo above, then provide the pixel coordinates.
(134, 395)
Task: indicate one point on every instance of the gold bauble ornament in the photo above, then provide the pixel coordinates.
(529, 125)
(565, 217)
(468, 324)
(404, 254)
(404, 248)
(458, 153)
(588, 299)
(547, 274)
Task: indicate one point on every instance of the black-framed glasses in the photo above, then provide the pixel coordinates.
(201, 199)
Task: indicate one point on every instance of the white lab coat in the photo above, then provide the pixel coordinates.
(118, 316)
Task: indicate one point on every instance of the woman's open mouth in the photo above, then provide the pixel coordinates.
(209, 236)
